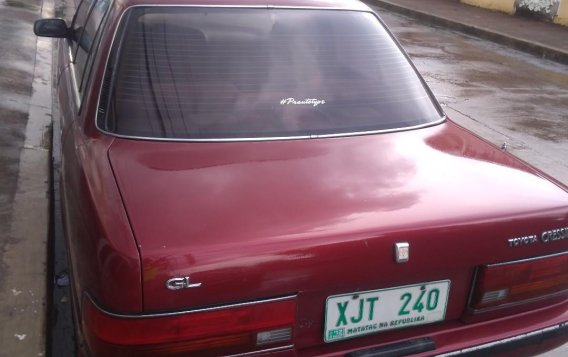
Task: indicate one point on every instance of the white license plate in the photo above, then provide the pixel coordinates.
(356, 314)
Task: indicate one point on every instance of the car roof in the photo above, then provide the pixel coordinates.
(323, 4)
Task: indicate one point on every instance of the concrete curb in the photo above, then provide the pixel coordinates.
(534, 48)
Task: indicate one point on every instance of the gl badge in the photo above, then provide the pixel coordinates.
(181, 283)
(402, 252)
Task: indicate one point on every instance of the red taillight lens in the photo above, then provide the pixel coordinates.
(516, 282)
(226, 330)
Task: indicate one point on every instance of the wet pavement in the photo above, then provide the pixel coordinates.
(504, 95)
(17, 59)
(17, 55)
(25, 117)
(540, 38)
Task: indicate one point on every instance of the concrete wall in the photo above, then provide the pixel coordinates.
(507, 6)
(551, 10)
(562, 15)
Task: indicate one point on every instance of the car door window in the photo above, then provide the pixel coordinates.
(90, 42)
(78, 24)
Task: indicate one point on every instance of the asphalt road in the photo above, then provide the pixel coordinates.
(503, 95)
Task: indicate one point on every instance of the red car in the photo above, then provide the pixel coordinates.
(258, 178)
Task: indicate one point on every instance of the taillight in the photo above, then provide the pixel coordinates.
(217, 331)
(522, 281)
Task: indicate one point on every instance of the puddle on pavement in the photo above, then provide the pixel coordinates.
(543, 129)
(15, 81)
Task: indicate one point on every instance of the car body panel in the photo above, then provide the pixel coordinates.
(105, 258)
(103, 255)
(320, 217)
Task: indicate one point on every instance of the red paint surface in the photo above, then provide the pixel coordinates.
(308, 217)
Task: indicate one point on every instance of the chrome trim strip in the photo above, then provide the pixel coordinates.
(71, 59)
(72, 72)
(268, 138)
(364, 8)
(75, 86)
(276, 349)
(177, 313)
(505, 340)
(527, 260)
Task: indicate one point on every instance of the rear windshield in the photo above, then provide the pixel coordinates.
(227, 73)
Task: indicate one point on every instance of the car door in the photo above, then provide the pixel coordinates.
(76, 55)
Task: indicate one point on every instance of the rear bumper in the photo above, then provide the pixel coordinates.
(524, 334)
(546, 338)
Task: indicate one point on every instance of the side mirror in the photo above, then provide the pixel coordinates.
(51, 28)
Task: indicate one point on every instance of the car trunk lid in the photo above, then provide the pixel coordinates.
(317, 218)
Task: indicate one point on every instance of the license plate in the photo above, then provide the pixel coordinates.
(356, 314)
